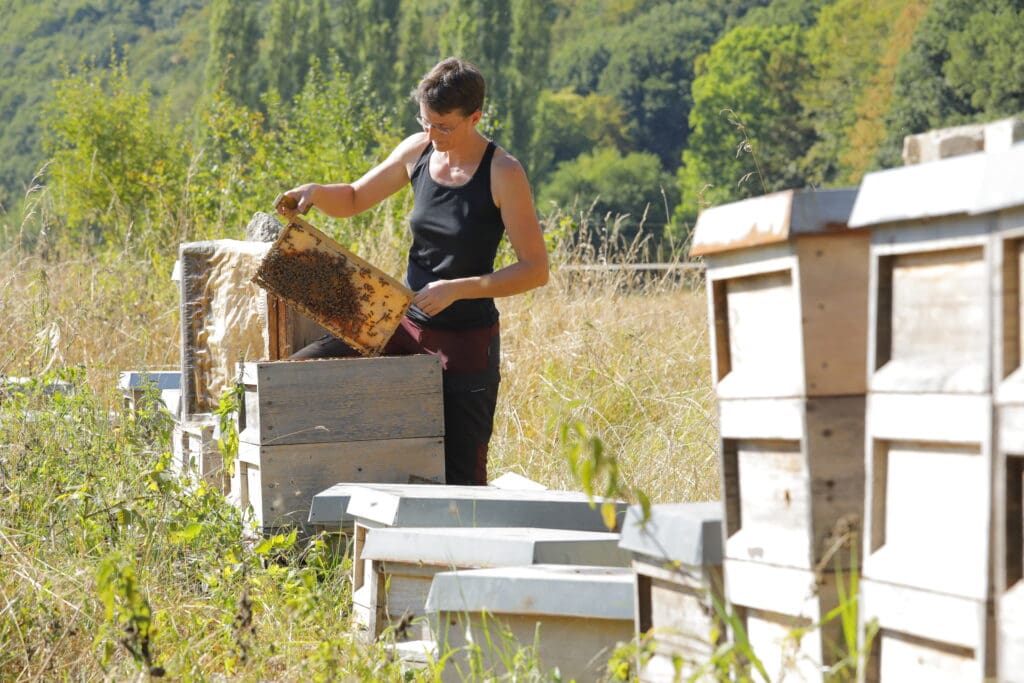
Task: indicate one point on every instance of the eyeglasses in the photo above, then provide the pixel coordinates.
(441, 130)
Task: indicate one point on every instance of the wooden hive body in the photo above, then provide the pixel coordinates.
(402, 562)
(225, 318)
(677, 558)
(307, 425)
(943, 506)
(378, 506)
(576, 616)
(787, 303)
(1008, 380)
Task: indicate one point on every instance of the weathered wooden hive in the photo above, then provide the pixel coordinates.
(306, 425)
(225, 318)
(377, 506)
(576, 617)
(677, 559)
(403, 561)
(787, 291)
(945, 440)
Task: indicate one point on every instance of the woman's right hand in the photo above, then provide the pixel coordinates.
(297, 200)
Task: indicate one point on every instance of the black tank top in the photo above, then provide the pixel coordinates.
(455, 233)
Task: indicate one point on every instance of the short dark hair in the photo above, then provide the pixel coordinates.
(452, 84)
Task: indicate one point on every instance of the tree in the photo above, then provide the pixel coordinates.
(749, 132)
(530, 47)
(632, 185)
(567, 125)
(844, 55)
(951, 74)
(234, 37)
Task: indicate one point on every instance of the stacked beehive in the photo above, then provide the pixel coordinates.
(943, 523)
(306, 425)
(224, 318)
(787, 291)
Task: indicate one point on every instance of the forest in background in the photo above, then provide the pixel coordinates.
(175, 119)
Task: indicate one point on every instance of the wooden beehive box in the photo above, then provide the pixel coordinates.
(677, 558)
(576, 617)
(787, 289)
(195, 453)
(380, 506)
(787, 294)
(944, 333)
(306, 425)
(134, 386)
(353, 299)
(1004, 195)
(402, 562)
(225, 318)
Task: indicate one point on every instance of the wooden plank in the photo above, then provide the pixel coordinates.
(773, 601)
(285, 478)
(834, 448)
(346, 399)
(939, 622)
(792, 501)
(944, 418)
(771, 637)
(771, 218)
(675, 605)
(580, 648)
(762, 418)
(833, 274)
(906, 658)
(774, 504)
(937, 318)
(1011, 625)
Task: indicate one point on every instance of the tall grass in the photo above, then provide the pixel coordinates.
(112, 569)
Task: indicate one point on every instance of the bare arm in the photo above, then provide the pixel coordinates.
(515, 201)
(342, 200)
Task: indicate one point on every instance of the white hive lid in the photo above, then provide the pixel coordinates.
(690, 533)
(554, 590)
(771, 218)
(494, 547)
(425, 505)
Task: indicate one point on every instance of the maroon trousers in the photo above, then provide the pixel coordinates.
(470, 361)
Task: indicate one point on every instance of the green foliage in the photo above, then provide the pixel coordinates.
(568, 125)
(986, 59)
(234, 33)
(612, 184)
(592, 465)
(954, 73)
(843, 51)
(749, 133)
(116, 163)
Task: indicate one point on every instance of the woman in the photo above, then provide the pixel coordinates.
(468, 192)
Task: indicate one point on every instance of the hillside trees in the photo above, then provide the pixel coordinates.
(964, 64)
(632, 187)
(748, 132)
(234, 34)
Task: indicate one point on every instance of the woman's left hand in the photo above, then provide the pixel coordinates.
(436, 296)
